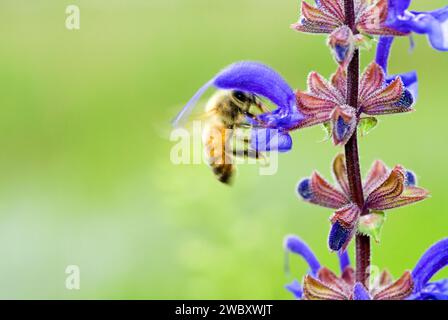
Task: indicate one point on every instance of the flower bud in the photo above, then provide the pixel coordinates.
(304, 189)
(339, 237)
(411, 179)
(342, 43)
(406, 101)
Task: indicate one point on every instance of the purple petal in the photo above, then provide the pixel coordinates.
(434, 259)
(255, 78)
(285, 119)
(396, 14)
(433, 291)
(295, 288)
(270, 140)
(296, 245)
(344, 260)
(383, 52)
(360, 292)
(409, 79)
(397, 7)
(434, 23)
(259, 79)
(436, 290)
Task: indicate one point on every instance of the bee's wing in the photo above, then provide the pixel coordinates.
(184, 114)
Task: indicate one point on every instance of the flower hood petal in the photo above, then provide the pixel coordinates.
(432, 23)
(253, 77)
(296, 245)
(434, 259)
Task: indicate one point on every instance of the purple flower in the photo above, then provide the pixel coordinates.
(409, 79)
(270, 130)
(322, 284)
(434, 259)
(432, 23)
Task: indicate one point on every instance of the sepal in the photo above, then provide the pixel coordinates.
(342, 43)
(340, 173)
(371, 225)
(366, 125)
(373, 19)
(318, 191)
(326, 126)
(315, 20)
(314, 289)
(332, 280)
(344, 122)
(347, 216)
(378, 173)
(395, 191)
(399, 290)
(388, 191)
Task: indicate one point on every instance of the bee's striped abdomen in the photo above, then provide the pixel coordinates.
(223, 172)
(215, 139)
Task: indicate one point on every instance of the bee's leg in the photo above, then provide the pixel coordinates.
(247, 153)
(246, 125)
(262, 107)
(243, 138)
(243, 125)
(251, 153)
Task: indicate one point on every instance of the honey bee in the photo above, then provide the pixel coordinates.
(226, 111)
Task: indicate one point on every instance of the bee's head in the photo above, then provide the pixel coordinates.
(244, 100)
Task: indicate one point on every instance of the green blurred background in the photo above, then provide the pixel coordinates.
(86, 177)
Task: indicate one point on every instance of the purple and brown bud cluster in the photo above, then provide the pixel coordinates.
(325, 101)
(328, 17)
(384, 189)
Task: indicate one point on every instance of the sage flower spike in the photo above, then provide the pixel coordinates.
(328, 17)
(320, 283)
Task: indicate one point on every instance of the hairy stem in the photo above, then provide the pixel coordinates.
(352, 155)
